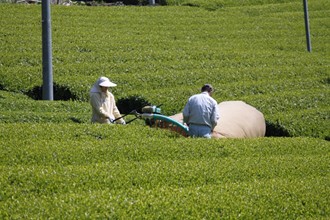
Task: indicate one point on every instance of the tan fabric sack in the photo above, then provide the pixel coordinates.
(237, 120)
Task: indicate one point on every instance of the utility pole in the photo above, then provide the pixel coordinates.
(47, 70)
(308, 38)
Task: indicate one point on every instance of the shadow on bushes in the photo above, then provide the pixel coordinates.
(76, 120)
(276, 130)
(60, 93)
(327, 80)
(128, 104)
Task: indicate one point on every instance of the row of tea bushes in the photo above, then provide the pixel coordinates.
(68, 170)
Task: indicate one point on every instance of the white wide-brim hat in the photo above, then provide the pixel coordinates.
(105, 82)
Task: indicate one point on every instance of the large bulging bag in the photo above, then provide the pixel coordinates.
(237, 120)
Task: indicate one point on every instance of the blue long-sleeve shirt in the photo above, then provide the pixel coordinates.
(201, 109)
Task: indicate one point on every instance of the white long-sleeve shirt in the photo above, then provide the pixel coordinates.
(201, 109)
(103, 106)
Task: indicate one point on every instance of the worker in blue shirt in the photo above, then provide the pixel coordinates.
(201, 113)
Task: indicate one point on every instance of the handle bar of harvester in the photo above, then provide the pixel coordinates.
(133, 111)
(137, 115)
(131, 120)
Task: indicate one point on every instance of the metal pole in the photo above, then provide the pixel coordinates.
(47, 71)
(152, 2)
(309, 46)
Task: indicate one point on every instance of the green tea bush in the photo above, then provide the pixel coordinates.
(19, 108)
(100, 171)
(216, 4)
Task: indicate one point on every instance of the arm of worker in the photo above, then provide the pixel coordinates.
(117, 114)
(185, 114)
(215, 116)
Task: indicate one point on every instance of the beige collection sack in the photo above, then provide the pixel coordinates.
(237, 120)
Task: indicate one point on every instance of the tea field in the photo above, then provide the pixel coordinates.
(55, 164)
(79, 171)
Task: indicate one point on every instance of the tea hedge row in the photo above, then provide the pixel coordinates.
(218, 4)
(97, 171)
(302, 120)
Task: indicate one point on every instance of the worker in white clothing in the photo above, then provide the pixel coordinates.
(104, 109)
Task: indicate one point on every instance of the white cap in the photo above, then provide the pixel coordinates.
(105, 82)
